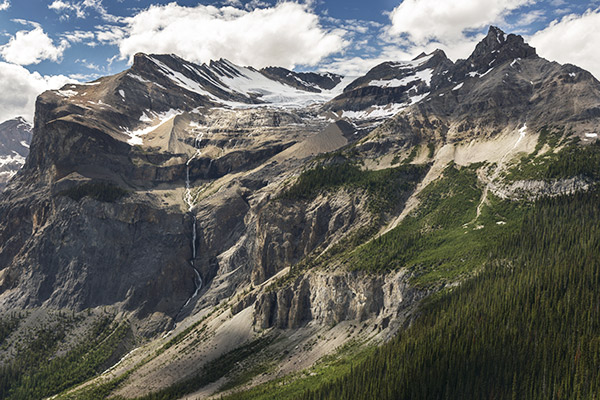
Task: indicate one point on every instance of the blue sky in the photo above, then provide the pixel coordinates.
(44, 44)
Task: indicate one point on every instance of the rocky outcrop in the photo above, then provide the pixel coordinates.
(326, 299)
(532, 190)
(394, 83)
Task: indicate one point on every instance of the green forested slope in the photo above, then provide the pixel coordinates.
(528, 326)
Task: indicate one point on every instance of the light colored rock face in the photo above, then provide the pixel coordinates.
(327, 299)
(531, 190)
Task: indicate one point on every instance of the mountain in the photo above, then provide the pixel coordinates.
(181, 229)
(15, 136)
(391, 86)
(310, 81)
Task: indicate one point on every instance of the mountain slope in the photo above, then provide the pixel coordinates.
(15, 136)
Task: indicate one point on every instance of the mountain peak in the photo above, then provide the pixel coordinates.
(497, 48)
(496, 33)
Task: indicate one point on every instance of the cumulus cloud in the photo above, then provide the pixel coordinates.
(287, 34)
(448, 25)
(31, 47)
(572, 39)
(4, 5)
(19, 89)
(445, 21)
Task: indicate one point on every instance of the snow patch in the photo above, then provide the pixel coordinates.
(478, 75)
(457, 87)
(24, 144)
(424, 75)
(413, 63)
(135, 137)
(145, 118)
(15, 158)
(182, 81)
(138, 78)
(591, 135)
(522, 132)
(381, 112)
(67, 93)
(254, 84)
(369, 113)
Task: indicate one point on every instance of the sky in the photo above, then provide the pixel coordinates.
(45, 44)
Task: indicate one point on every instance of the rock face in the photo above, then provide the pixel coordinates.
(328, 299)
(97, 215)
(15, 137)
(531, 190)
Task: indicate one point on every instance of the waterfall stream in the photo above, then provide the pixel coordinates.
(190, 200)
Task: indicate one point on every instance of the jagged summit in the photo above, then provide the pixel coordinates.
(496, 48)
(309, 81)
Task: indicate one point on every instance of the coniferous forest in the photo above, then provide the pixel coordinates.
(527, 326)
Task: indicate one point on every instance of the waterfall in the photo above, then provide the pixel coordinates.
(189, 200)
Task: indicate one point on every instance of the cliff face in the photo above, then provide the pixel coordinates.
(330, 298)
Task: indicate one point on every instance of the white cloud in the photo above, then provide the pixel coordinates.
(286, 34)
(79, 36)
(110, 34)
(351, 66)
(79, 8)
(572, 39)
(530, 17)
(66, 8)
(19, 89)
(422, 21)
(31, 47)
(4, 5)
(26, 22)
